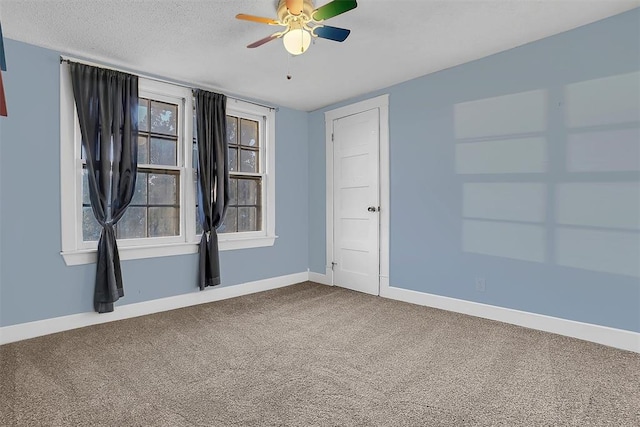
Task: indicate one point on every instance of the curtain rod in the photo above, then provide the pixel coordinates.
(68, 59)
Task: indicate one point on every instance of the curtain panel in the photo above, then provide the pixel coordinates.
(3, 67)
(107, 106)
(213, 179)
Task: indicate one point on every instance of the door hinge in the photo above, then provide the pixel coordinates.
(331, 137)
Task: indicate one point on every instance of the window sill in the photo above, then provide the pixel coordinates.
(88, 256)
(230, 244)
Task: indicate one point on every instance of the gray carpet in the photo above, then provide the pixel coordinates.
(313, 355)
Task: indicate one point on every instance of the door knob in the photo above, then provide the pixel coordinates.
(372, 209)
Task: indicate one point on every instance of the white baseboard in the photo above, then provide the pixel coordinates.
(38, 328)
(323, 279)
(612, 337)
(618, 338)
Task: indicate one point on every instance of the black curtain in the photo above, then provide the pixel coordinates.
(213, 179)
(107, 105)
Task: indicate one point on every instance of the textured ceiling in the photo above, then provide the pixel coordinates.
(200, 41)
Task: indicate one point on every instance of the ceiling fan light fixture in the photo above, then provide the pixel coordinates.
(302, 23)
(296, 41)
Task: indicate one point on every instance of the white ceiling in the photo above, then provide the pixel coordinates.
(201, 42)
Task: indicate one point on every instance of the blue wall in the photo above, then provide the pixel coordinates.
(520, 168)
(35, 283)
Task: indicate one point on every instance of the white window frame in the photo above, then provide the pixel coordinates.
(75, 251)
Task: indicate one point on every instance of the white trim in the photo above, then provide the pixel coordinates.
(323, 279)
(385, 202)
(38, 328)
(382, 104)
(236, 242)
(618, 338)
(88, 256)
(68, 180)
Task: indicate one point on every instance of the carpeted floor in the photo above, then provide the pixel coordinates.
(313, 355)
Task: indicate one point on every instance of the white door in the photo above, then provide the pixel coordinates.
(356, 201)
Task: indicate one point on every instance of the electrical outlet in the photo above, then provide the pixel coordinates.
(480, 284)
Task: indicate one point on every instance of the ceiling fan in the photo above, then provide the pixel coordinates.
(302, 22)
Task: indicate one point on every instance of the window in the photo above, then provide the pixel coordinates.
(246, 174)
(155, 208)
(246, 139)
(245, 178)
(162, 217)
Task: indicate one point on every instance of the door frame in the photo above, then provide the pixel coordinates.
(382, 104)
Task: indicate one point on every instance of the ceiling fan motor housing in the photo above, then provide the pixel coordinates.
(307, 9)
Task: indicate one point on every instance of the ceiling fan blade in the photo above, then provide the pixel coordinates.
(3, 61)
(3, 101)
(331, 33)
(335, 8)
(264, 40)
(259, 19)
(295, 6)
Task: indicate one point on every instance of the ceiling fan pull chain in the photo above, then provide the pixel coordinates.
(289, 76)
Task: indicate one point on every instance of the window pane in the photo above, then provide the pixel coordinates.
(233, 159)
(247, 192)
(195, 193)
(248, 161)
(143, 114)
(229, 225)
(247, 219)
(140, 195)
(198, 225)
(90, 227)
(86, 200)
(233, 191)
(163, 118)
(194, 156)
(195, 184)
(133, 223)
(163, 152)
(232, 130)
(163, 189)
(164, 222)
(194, 123)
(249, 132)
(143, 150)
